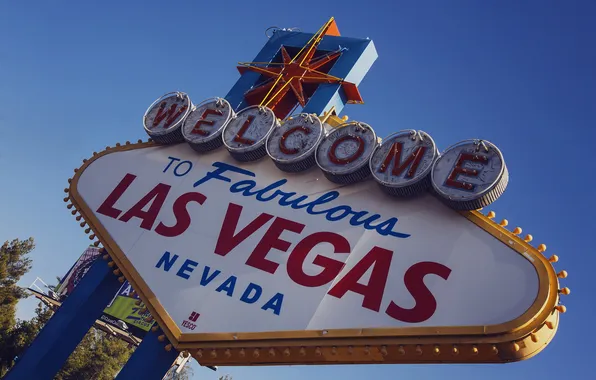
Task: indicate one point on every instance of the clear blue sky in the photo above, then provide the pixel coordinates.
(77, 76)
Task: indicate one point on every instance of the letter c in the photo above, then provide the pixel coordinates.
(282, 141)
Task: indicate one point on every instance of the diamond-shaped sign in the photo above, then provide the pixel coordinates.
(242, 263)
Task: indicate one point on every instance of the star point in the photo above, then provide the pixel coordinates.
(283, 87)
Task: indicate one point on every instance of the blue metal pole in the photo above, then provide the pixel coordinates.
(63, 332)
(150, 361)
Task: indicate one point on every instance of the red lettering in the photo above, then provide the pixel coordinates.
(412, 161)
(270, 240)
(343, 161)
(240, 135)
(380, 260)
(460, 169)
(171, 114)
(227, 240)
(181, 213)
(107, 207)
(282, 143)
(426, 304)
(203, 120)
(331, 268)
(156, 197)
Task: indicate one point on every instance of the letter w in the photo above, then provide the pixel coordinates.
(170, 115)
(228, 240)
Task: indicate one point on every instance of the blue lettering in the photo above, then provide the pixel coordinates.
(294, 203)
(334, 214)
(206, 278)
(386, 228)
(221, 168)
(325, 198)
(188, 266)
(263, 191)
(228, 286)
(355, 220)
(184, 173)
(166, 261)
(246, 295)
(274, 303)
(344, 211)
(172, 160)
(244, 187)
(251, 294)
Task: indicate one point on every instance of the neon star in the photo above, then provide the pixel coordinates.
(283, 89)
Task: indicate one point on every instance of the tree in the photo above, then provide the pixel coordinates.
(14, 335)
(14, 263)
(99, 356)
(186, 373)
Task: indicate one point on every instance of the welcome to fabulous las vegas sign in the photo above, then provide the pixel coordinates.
(258, 236)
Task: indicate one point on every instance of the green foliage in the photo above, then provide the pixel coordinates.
(14, 342)
(99, 356)
(14, 263)
(186, 373)
(14, 335)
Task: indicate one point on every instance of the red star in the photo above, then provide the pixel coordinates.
(292, 73)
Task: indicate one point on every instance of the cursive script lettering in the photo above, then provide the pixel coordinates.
(318, 206)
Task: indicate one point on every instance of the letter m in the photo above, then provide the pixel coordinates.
(411, 162)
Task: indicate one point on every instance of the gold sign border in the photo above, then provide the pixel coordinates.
(518, 339)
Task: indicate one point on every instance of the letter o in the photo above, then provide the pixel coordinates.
(344, 153)
(187, 170)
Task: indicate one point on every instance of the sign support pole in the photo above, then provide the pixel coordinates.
(67, 327)
(150, 361)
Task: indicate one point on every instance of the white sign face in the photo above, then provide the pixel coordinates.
(244, 247)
